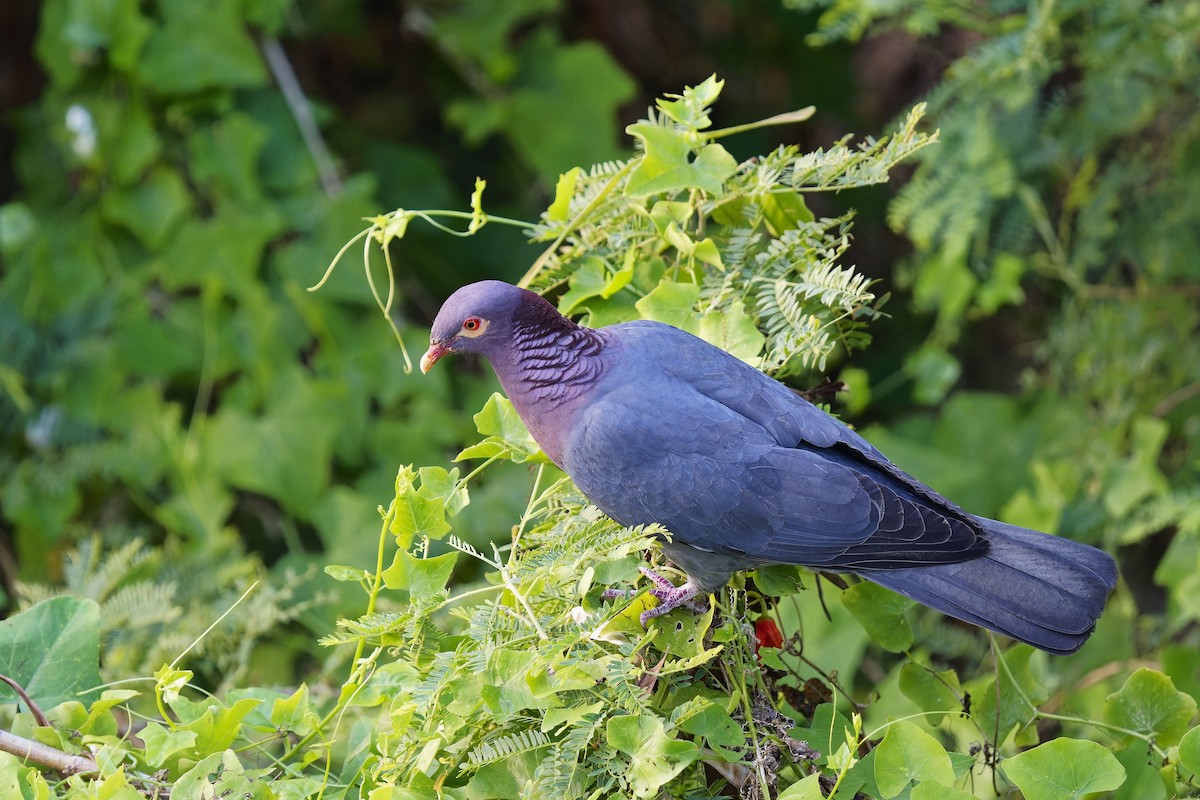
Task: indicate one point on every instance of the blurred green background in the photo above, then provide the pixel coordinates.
(178, 416)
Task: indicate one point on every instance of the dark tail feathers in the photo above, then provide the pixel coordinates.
(1037, 588)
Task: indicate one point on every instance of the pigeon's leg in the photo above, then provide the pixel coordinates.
(669, 596)
(660, 583)
(673, 598)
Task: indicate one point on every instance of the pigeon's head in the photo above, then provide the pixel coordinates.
(479, 318)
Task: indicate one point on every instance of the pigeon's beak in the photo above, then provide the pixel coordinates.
(435, 351)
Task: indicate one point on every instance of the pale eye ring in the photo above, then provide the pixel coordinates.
(473, 326)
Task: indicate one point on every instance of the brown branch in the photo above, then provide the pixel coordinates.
(47, 756)
(1175, 398)
(32, 706)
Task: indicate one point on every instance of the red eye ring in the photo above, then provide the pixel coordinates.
(471, 324)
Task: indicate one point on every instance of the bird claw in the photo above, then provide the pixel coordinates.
(615, 594)
(669, 596)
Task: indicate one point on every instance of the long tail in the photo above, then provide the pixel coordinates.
(1036, 588)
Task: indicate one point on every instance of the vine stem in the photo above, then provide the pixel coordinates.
(787, 118)
(1039, 714)
(506, 578)
(215, 623)
(358, 674)
(372, 598)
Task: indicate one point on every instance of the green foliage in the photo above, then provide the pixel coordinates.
(517, 84)
(1061, 205)
(684, 234)
(526, 685)
(1064, 769)
(161, 366)
(163, 374)
(155, 603)
(51, 651)
(1067, 175)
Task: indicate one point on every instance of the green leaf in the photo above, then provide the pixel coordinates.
(224, 159)
(285, 450)
(778, 580)
(423, 577)
(702, 717)
(667, 165)
(691, 108)
(932, 790)
(346, 574)
(20, 781)
(1189, 751)
(201, 46)
(1150, 704)
(682, 632)
(828, 731)
(654, 757)
(566, 676)
(882, 613)
(478, 217)
(500, 780)
(162, 743)
(505, 432)
(908, 755)
(929, 689)
(415, 513)
(580, 76)
(807, 788)
(569, 716)
(218, 727)
(934, 371)
(1143, 781)
(151, 208)
(443, 486)
(506, 690)
(52, 651)
(170, 682)
(219, 775)
(673, 303)
(291, 713)
(74, 35)
(564, 190)
(589, 280)
(1064, 769)
(225, 249)
(785, 210)
(1133, 480)
(128, 143)
(734, 332)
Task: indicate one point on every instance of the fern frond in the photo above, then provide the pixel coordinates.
(505, 747)
(142, 603)
(557, 773)
(459, 544)
(91, 574)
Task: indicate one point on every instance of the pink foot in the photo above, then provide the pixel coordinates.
(669, 596)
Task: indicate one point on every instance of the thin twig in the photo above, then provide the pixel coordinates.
(293, 95)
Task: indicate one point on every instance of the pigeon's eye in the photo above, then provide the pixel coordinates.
(473, 326)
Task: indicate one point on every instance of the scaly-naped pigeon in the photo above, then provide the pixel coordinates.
(655, 425)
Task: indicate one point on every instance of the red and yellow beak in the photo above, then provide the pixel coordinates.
(435, 352)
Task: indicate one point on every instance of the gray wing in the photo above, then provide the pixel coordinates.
(661, 449)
